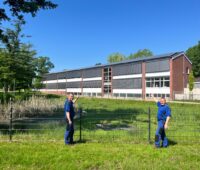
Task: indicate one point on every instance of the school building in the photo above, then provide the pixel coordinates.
(161, 75)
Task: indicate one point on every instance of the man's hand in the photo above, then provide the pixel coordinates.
(68, 118)
(152, 96)
(70, 122)
(166, 123)
(76, 100)
(166, 126)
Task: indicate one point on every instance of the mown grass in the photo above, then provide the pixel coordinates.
(115, 136)
(97, 156)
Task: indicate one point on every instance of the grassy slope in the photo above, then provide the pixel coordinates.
(109, 155)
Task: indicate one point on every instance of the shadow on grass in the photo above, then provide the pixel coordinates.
(94, 119)
(171, 142)
(113, 120)
(80, 141)
(25, 125)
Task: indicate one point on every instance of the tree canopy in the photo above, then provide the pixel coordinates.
(116, 57)
(18, 8)
(194, 55)
(42, 65)
(19, 65)
(141, 53)
(18, 62)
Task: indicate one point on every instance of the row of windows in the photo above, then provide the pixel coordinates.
(127, 95)
(88, 73)
(117, 95)
(97, 72)
(158, 82)
(120, 69)
(92, 94)
(123, 95)
(127, 69)
(157, 66)
(158, 95)
(116, 84)
(127, 83)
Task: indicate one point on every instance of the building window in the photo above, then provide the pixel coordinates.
(88, 94)
(138, 95)
(99, 94)
(187, 70)
(157, 82)
(122, 94)
(167, 95)
(159, 95)
(116, 94)
(94, 94)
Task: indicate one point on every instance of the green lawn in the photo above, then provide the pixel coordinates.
(115, 136)
(97, 156)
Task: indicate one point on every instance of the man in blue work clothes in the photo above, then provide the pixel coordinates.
(69, 117)
(163, 117)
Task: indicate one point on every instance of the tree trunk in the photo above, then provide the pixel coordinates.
(5, 88)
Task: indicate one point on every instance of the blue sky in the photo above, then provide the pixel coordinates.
(81, 33)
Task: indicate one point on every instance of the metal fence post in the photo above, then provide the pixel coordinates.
(10, 124)
(149, 125)
(80, 125)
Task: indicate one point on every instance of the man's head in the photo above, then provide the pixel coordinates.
(162, 101)
(70, 96)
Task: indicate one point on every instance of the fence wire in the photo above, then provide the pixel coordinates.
(108, 126)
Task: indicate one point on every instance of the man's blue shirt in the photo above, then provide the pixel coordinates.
(68, 107)
(163, 112)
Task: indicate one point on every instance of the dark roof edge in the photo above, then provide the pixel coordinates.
(169, 55)
(182, 53)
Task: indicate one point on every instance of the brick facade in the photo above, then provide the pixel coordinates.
(180, 66)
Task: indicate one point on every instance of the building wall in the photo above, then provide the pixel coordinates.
(91, 73)
(127, 80)
(157, 73)
(154, 66)
(127, 69)
(92, 82)
(130, 83)
(180, 75)
(196, 85)
(177, 65)
(187, 65)
(160, 77)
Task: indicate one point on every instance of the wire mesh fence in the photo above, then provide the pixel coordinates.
(133, 125)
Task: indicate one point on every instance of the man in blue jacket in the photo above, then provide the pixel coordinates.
(163, 117)
(69, 114)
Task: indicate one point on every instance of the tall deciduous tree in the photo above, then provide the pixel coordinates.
(141, 53)
(6, 72)
(115, 57)
(18, 64)
(43, 65)
(191, 81)
(25, 69)
(194, 55)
